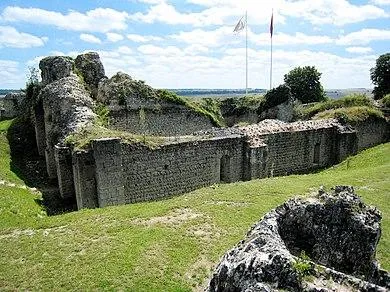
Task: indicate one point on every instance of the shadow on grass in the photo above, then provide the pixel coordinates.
(31, 168)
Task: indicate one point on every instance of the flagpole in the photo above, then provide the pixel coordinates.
(246, 51)
(270, 71)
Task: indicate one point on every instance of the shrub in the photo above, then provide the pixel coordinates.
(351, 100)
(241, 105)
(386, 100)
(350, 114)
(276, 96)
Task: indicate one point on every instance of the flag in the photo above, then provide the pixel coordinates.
(240, 25)
(271, 26)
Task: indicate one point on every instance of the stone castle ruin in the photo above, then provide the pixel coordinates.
(193, 154)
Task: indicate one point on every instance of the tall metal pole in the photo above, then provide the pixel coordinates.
(246, 51)
(270, 71)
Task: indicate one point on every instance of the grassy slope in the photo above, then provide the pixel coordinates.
(109, 249)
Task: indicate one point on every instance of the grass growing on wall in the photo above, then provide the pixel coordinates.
(350, 114)
(82, 139)
(167, 245)
(352, 100)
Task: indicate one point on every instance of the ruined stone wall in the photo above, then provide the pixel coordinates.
(130, 173)
(11, 105)
(300, 151)
(167, 121)
(371, 132)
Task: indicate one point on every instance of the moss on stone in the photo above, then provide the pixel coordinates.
(82, 139)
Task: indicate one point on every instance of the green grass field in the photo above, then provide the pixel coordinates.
(168, 245)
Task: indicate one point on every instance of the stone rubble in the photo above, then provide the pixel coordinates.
(338, 233)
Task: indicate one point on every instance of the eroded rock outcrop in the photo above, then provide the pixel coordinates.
(55, 67)
(337, 232)
(121, 89)
(92, 70)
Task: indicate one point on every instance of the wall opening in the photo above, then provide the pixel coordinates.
(225, 169)
(316, 155)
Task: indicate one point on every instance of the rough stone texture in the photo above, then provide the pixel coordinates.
(161, 119)
(67, 107)
(121, 87)
(131, 173)
(90, 66)
(55, 68)
(335, 230)
(126, 97)
(84, 171)
(372, 132)
(63, 160)
(283, 112)
(11, 105)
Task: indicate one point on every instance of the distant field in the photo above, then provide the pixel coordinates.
(167, 245)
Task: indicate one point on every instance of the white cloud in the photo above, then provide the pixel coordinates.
(10, 37)
(364, 37)
(223, 12)
(359, 50)
(114, 37)
(381, 2)
(10, 76)
(89, 38)
(96, 20)
(125, 50)
(282, 39)
(143, 38)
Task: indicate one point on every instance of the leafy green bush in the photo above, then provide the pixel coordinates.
(276, 96)
(386, 100)
(350, 114)
(351, 100)
(241, 105)
(102, 113)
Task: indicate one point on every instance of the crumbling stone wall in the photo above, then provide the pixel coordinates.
(11, 105)
(161, 119)
(371, 132)
(114, 172)
(128, 173)
(276, 148)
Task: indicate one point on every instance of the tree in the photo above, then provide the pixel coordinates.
(305, 84)
(380, 76)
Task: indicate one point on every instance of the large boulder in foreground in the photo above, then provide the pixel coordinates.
(328, 242)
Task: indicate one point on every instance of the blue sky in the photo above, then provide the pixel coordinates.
(190, 43)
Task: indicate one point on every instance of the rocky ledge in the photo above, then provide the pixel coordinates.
(324, 243)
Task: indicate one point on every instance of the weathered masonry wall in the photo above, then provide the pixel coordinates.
(293, 152)
(157, 118)
(371, 132)
(127, 173)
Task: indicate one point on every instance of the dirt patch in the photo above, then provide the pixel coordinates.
(31, 232)
(205, 232)
(176, 217)
(229, 203)
(197, 273)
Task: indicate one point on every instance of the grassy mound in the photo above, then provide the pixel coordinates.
(167, 245)
(350, 114)
(353, 100)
